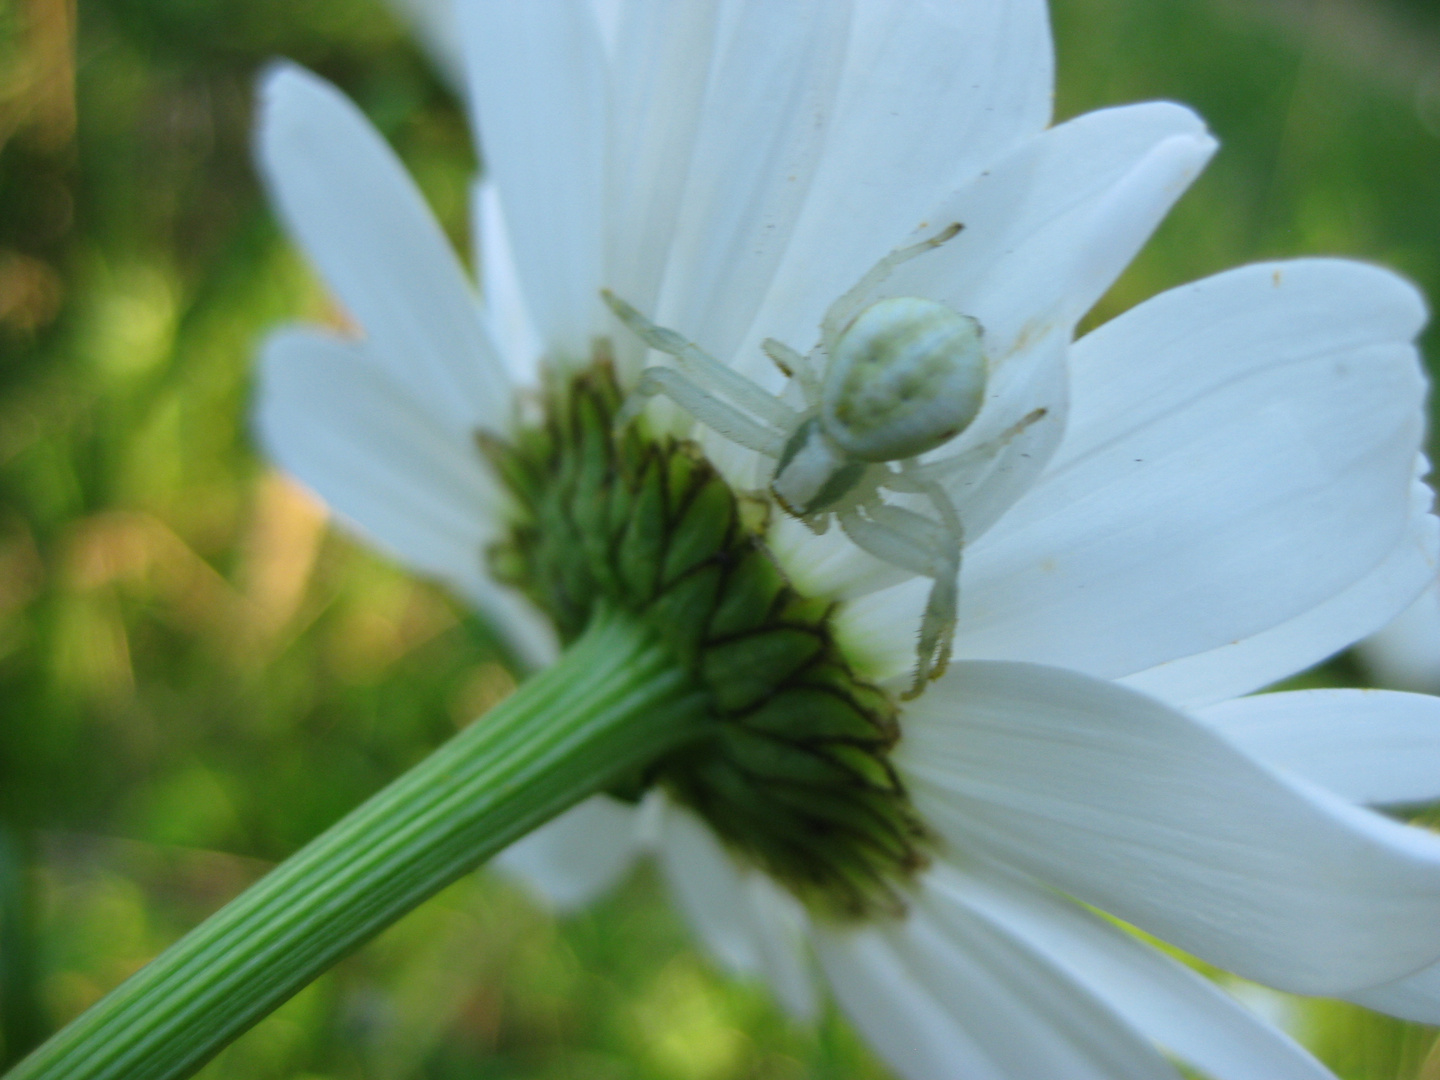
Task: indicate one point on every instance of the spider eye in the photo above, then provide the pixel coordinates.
(906, 376)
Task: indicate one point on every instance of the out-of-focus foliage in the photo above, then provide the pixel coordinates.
(196, 674)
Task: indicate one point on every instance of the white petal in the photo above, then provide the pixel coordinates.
(1240, 667)
(1248, 664)
(663, 58)
(1181, 1011)
(1047, 228)
(1150, 815)
(1414, 998)
(1405, 655)
(930, 96)
(538, 86)
(525, 629)
(710, 889)
(782, 932)
(827, 564)
(1097, 187)
(744, 919)
(1032, 381)
(576, 857)
(328, 412)
(438, 30)
(1239, 451)
(768, 107)
(1369, 746)
(878, 630)
(347, 200)
(520, 344)
(608, 14)
(947, 995)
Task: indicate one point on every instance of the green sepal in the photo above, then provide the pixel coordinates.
(700, 530)
(643, 541)
(749, 602)
(745, 671)
(815, 713)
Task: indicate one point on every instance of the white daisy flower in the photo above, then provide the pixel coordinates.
(1212, 492)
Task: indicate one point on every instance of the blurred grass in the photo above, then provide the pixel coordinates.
(196, 675)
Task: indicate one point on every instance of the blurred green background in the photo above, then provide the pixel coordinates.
(197, 675)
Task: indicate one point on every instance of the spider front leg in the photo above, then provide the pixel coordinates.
(703, 371)
(924, 478)
(849, 304)
(704, 407)
(794, 365)
(923, 546)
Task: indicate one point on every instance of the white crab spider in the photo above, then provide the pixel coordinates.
(898, 378)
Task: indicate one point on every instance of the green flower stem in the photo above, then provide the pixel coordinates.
(615, 701)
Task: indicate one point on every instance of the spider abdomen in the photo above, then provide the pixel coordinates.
(907, 375)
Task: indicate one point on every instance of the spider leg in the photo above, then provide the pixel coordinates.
(845, 308)
(702, 368)
(923, 546)
(794, 365)
(915, 477)
(704, 407)
(939, 498)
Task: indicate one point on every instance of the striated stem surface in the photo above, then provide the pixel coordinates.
(615, 701)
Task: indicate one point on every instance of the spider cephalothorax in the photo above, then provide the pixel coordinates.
(888, 382)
